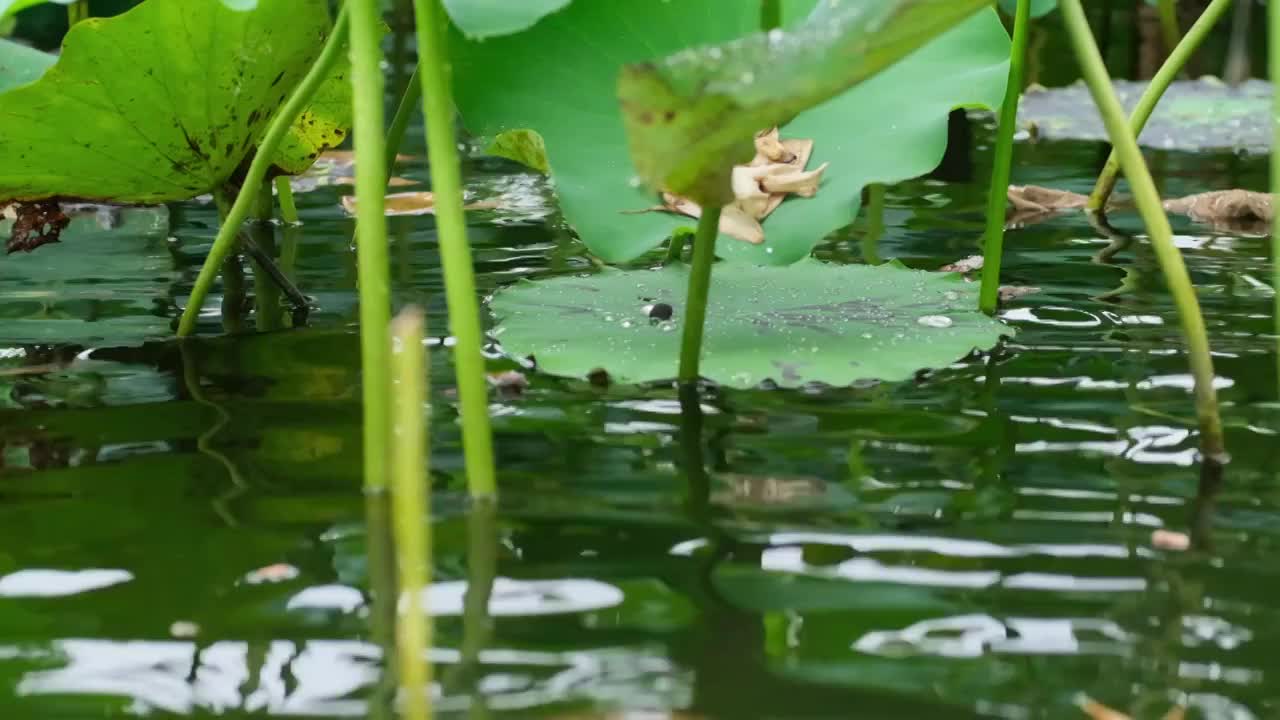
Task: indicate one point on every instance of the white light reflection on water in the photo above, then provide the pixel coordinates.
(331, 677)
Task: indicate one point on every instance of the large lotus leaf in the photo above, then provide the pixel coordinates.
(810, 323)
(875, 132)
(1192, 115)
(161, 103)
(490, 18)
(692, 115)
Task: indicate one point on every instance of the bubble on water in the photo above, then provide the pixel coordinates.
(935, 321)
(769, 250)
(951, 295)
(667, 326)
(608, 318)
(626, 323)
(866, 336)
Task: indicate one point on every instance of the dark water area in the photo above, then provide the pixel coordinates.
(182, 531)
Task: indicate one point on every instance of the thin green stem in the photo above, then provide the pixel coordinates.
(770, 14)
(225, 242)
(269, 315)
(455, 253)
(371, 236)
(408, 500)
(695, 311)
(1167, 73)
(993, 238)
(875, 224)
(77, 11)
(675, 246)
(1273, 60)
(1169, 33)
(1158, 230)
(288, 208)
(400, 121)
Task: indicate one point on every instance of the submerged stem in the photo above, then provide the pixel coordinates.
(288, 208)
(408, 499)
(1158, 229)
(1167, 73)
(225, 242)
(770, 14)
(371, 238)
(1169, 33)
(455, 253)
(695, 311)
(993, 238)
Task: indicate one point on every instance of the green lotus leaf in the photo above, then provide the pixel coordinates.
(490, 18)
(813, 322)
(1192, 115)
(875, 132)
(692, 115)
(165, 102)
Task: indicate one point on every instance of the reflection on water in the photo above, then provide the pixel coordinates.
(182, 531)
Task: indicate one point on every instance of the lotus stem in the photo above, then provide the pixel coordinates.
(288, 208)
(1169, 33)
(408, 500)
(77, 11)
(400, 121)
(225, 242)
(455, 253)
(1167, 73)
(695, 312)
(875, 224)
(770, 14)
(1157, 224)
(269, 314)
(1273, 60)
(371, 238)
(1237, 68)
(997, 198)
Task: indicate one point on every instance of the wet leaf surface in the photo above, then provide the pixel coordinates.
(1192, 115)
(569, 97)
(691, 115)
(813, 323)
(488, 18)
(137, 111)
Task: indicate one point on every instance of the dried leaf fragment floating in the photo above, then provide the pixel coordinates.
(415, 203)
(759, 187)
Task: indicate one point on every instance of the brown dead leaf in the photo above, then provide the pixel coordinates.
(1008, 293)
(1170, 540)
(771, 148)
(37, 223)
(396, 181)
(964, 265)
(734, 222)
(414, 203)
(1098, 711)
(1037, 199)
(759, 187)
(1223, 205)
(509, 383)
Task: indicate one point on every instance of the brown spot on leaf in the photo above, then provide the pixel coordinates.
(37, 223)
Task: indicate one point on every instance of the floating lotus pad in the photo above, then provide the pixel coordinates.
(1192, 115)
(812, 322)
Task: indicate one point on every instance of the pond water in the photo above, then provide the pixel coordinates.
(182, 531)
